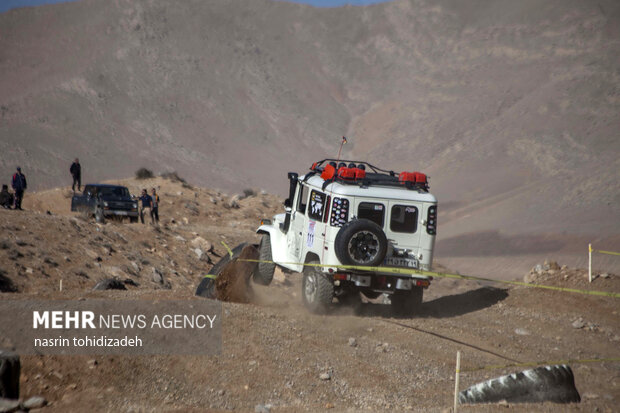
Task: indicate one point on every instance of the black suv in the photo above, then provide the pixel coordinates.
(106, 201)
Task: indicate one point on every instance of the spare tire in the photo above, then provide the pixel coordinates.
(361, 242)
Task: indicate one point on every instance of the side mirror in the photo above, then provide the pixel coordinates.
(287, 202)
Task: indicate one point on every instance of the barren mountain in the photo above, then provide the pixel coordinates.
(511, 107)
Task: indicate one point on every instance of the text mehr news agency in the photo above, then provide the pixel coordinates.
(88, 320)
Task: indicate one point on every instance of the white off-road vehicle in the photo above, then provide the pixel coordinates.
(351, 213)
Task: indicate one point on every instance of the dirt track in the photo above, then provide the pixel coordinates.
(273, 350)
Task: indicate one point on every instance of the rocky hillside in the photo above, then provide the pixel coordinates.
(40, 245)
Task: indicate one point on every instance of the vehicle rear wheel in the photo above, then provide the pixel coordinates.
(361, 242)
(407, 303)
(265, 269)
(317, 289)
(133, 220)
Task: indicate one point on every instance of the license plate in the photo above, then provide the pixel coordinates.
(401, 262)
(120, 212)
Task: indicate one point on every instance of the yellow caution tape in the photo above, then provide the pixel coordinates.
(228, 249)
(607, 252)
(543, 363)
(410, 271)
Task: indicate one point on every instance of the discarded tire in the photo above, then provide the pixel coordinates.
(10, 367)
(543, 384)
(206, 287)
(361, 242)
(264, 270)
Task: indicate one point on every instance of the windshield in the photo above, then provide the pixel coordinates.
(118, 191)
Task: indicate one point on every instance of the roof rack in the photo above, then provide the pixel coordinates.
(371, 175)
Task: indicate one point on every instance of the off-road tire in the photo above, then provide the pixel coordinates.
(543, 384)
(407, 303)
(317, 289)
(206, 287)
(361, 242)
(133, 220)
(263, 274)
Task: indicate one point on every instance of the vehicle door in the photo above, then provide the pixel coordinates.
(403, 224)
(294, 236)
(91, 196)
(317, 217)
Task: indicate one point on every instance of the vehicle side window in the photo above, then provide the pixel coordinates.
(317, 205)
(303, 199)
(404, 218)
(340, 212)
(372, 211)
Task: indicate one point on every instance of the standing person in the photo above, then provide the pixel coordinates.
(155, 208)
(147, 202)
(76, 173)
(6, 198)
(19, 185)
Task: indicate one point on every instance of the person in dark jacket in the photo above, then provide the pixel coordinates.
(147, 202)
(6, 198)
(19, 185)
(76, 173)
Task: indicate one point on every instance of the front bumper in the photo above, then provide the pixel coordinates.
(120, 213)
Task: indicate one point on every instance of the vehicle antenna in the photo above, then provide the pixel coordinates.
(344, 140)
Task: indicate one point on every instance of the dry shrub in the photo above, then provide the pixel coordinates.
(144, 173)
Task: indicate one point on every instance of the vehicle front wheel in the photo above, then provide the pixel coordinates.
(317, 289)
(407, 303)
(265, 268)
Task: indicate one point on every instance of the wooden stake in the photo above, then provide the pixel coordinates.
(61, 284)
(456, 380)
(590, 262)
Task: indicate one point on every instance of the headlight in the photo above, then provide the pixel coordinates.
(105, 203)
(135, 205)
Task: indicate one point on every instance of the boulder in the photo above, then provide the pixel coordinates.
(233, 202)
(109, 284)
(9, 405)
(203, 244)
(158, 277)
(35, 402)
